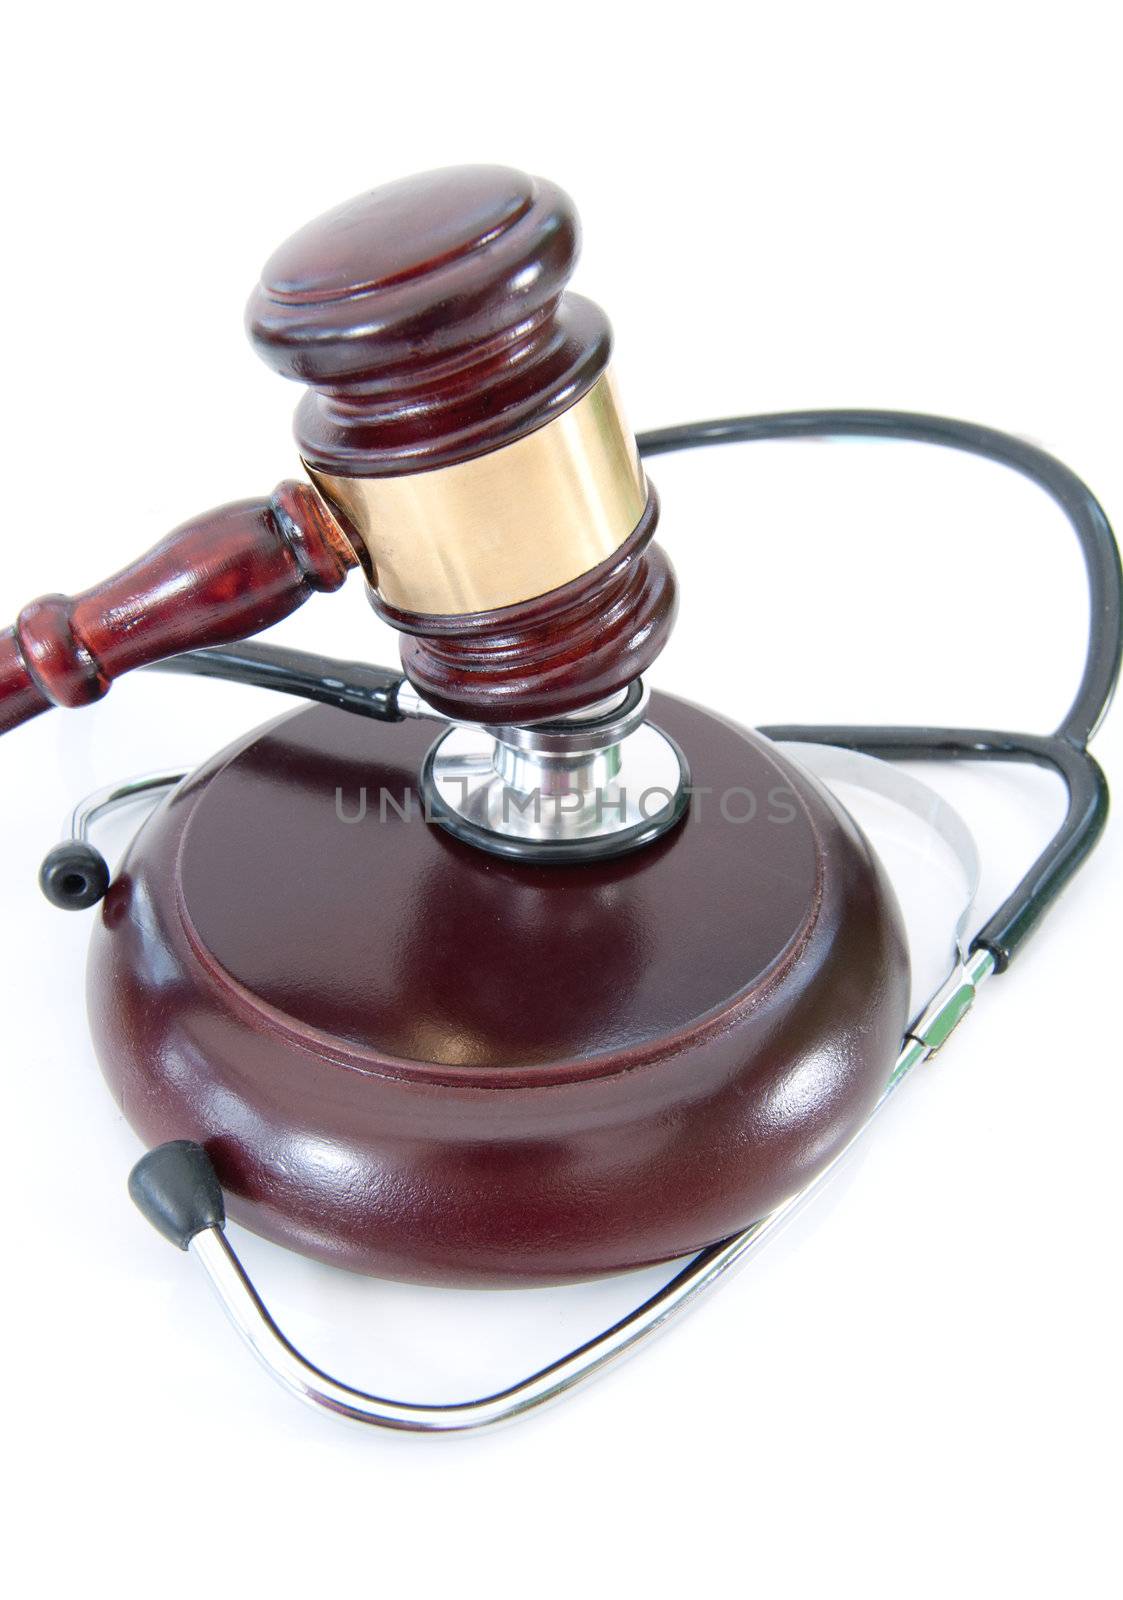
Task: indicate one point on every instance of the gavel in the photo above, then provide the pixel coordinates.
(400, 1052)
(464, 446)
(384, 1046)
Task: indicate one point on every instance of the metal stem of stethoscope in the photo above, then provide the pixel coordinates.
(247, 1311)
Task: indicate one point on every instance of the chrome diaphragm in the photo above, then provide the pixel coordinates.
(596, 783)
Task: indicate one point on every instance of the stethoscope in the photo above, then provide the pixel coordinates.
(175, 1185)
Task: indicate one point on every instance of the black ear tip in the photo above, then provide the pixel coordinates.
(176, 1188)
(74, 876)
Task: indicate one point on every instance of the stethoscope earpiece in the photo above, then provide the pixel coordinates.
(176, 1188)
(74, 876)
(645, 981)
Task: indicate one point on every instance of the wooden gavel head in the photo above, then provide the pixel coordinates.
(463, 426)
(465, 446)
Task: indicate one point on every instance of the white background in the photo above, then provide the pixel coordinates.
(915, 1389)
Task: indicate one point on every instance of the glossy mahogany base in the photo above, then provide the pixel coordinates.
(414, 1059)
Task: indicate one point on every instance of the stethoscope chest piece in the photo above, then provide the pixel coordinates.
(580, 979)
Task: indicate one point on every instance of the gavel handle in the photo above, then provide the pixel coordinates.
(219, 578)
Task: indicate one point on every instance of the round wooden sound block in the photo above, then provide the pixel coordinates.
(412, 1058)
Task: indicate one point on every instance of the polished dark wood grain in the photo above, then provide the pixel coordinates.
(409, 1057)
(217, 578)
(429, 319)
(564, 649)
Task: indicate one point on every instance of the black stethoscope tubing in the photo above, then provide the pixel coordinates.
(370, 690)
(1066, 750)
(175, 1184)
